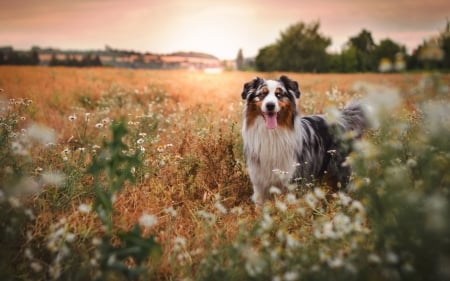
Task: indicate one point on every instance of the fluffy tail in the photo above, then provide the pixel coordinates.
(353, 118)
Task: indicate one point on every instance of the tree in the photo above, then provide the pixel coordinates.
(389, 51)
(300, 48)
(364, 46)
(267, 58)
(445, 45)
(240, 60)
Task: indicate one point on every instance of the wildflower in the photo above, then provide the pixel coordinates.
(291, 199)
(237, 211)
(96, 241)
(373, 258)
(357, 206)
(70, 237)
(379, 101)
(147, 220)
(342, 223)
(274, 190)
(436, 115)
(179, 243)
(332, 115)
(84, 208)
(266, 222)
(366, 148)
(391, 257)
(281, 206)
(37, 267)
(28, 254)
(344, 199)
(290, 276)
(41, 134)
(72, 117)
(311, 200)
(254, 264)
(436, 209)
(319, 193)
(29, 214)
(207, 216)
(19, 149)
(99, 125)
(336, 262)
(53, 178)
(14, 202)
(219, 206)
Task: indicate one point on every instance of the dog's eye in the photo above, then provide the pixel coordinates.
(279, 95)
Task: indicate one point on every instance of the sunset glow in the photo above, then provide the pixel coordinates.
(216, 27)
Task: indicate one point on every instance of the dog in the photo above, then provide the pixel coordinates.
(282, 147)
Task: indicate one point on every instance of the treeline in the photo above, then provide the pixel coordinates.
(87, 60)
(302, 48)
(9, 56)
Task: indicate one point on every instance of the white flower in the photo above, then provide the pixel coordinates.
(41, 134)
(70, 237)
(332, 115)
(221, 208)
(72, 117)
(281, 206)
(336, 262)
(170, 211)
(373, 258)
(379, 102)
(391, 257)
(291, 199)
(99, 125)
(311, 200)
(55, 178)
(357, 206)
(37, 267)
(290, 276)
(437, 117)
(140, 141)
(274, 190)
(344, 199)
(319, 193)
(147, 220)
(207, 216)
(84, 208)
(342, 223)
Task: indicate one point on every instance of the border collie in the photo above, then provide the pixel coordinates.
(277, 140)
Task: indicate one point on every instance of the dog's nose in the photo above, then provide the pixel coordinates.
(270, 106)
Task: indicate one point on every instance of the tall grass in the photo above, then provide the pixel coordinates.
(138, 185)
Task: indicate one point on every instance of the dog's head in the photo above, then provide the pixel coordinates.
(273, 100)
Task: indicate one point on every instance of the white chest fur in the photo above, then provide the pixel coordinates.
(267, 150)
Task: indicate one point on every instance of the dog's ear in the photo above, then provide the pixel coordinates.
(251, 86)
(290, 85)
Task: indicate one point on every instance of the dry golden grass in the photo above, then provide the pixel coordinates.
(200, 162)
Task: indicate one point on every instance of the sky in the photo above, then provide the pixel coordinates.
(219, 28)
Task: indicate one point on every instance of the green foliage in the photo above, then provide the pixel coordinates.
(111, 169)
(300, 48)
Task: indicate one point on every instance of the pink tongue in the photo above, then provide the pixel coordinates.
(271, 120)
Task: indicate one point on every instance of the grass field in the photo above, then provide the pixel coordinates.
(117, 174)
